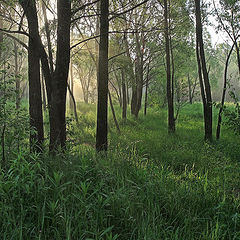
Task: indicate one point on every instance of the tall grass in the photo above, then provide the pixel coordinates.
(149, 186)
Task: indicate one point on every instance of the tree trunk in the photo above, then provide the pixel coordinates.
(124, 97)
(17, 79)
(134, 100)
(102, 107)
(238, 54)
(48, 35)
(146, 91)
(35, 98)
(1, 34)
(43, 93)
(74, 103)
(189, 89)
(120, 93)
(59, 82)
(171, 122)
(223, 94)
(127, 89)
(204, 72)
(113, 112)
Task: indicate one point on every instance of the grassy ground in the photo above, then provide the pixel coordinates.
(150, 186)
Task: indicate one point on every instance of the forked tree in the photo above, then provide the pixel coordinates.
(203, 74)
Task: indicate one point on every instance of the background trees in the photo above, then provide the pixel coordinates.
(151, 59)
(156, 64)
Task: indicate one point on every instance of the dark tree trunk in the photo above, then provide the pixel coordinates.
(171, 122)
(124, 97)
(238, 53)
(139, 73)
(204, 72)
(1, 34)
(139, 92)
(113, 112)
(71, 87)
(134, 100)
(146, 91)
(43, 93)
(74, 103)
(60, 77)
(102, 107)
(127, 93)
(48, 35)
(17, 79)
(35, 98)
(223, 94)
(120, 93)
(189, 89)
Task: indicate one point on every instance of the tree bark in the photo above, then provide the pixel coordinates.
(43, 93)
(146, 92)
(35, 98)
(1, 34)
(124, 97)
(17, 79)
(113, 112)
(102, 106)
(60, 76)
(74, 103)
(223, 94)
(71, 87)
(189, 89)
(203, 72)
(171, 122)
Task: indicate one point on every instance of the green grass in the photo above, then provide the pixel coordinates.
(151, 185)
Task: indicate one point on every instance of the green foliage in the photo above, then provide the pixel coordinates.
(14, 126)
(232, 115)
(149, 186)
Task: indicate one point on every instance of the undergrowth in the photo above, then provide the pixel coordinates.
(149, 186)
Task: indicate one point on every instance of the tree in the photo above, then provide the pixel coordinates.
(228, 14)
(35, 98)
(171, 121)
(203, 74)
(223, 93)
(102, 105)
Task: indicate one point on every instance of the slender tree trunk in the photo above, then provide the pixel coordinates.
(173, 83)
(71, 87)
(238, 53)
(171, 122)
(74, 103)
(139, 73)
(120, 94)
(57, 114)
(189, 89)
(146, 92)
(127, 89)
(102, 107)
(124, 97)
(223, 94)
(17, 79)
(134, 100)
(1, 34)
(4, 120)
(48, 34)
(113, 112)
(207, 88)
(43, 93)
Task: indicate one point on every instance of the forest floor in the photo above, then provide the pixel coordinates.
(150, 186)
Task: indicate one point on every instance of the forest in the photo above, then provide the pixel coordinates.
(119, 120)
